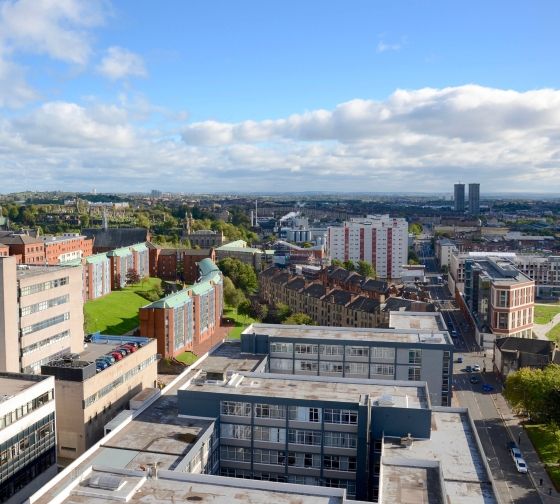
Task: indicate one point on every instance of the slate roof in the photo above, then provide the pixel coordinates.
(316, 290)
(339, 297)
(282, 278)
(526, 345)
(296, 284)
(364, 304)
(19, 239)
(116, 237)
(372, 285)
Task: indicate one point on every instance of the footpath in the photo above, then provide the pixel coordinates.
(540, 330)
(537, 472)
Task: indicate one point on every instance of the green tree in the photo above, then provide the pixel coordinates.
(337, 263)
(282, 311)
(232, 296)
(349, 265)
(244, 308)
(415, 228)
(242, 275)
(142, 220)
(366, 269)
(258, 311)
(299, 319)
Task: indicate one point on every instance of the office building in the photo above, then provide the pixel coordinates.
(378, 239)
(459, 197)
(188, 319)
(499, 298)
(41, 314)
(239, 250)
(87, 398)
(416, 347)
(376, 440)
(27, 435)
(474, 199)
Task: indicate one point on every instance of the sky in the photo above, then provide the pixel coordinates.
(274, 96)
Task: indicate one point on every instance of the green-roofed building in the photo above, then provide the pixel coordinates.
(187, 320)
(239, 250)
(134, 257)
(97, 276)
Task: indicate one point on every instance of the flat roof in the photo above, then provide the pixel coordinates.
(99, 348)
(419, 335)
(453, 444)
(424, 321)
(407, 485)
(318, 388)
(11, 384)
(170, 488)
(27, 271)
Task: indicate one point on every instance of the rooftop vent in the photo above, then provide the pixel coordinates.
(407, 440)
(106, 482)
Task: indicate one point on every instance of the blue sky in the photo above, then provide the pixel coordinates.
(261, 95)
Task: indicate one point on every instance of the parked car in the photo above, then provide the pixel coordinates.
(103, 359)
(128, 348)
(132, 343)
(101, 364)
(468, 369)
(459, 360)
(520, 464)
(117, 355)
(476, 368)
(109, 358)
(123, 351)
(514, 451)
(474, 379)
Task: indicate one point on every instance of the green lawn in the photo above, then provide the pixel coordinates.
(241, 322)
(544, 314)
(546, 443)
(187, 358)
(117, 313)
(554, 333)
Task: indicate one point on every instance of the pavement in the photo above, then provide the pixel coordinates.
(540, 330)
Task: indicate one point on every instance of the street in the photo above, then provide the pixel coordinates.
(494, 433)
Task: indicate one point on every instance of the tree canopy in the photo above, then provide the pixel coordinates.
(242, 275)
(299, 319)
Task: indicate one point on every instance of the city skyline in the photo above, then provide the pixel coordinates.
(343, 98)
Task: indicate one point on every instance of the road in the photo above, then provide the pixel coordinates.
(494, 434)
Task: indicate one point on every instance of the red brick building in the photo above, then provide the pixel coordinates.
(188, 320)
(30, 250)
(177, 264)
(4, 250)
(67, 247)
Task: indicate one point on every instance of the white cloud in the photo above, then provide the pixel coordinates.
(383, 46)
(415, 140)
(119, 63)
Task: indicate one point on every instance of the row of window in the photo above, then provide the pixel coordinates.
(292, 459)
(357, 368)
(43, 324)
(44, 305)
(43, 286)
(119, 381)
(45, 342)
(295, 436)
(277, 411)
(26, 408)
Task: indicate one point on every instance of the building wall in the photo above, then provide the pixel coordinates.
(63, 250)
(379, 240)
(82, 416)
(27, 439)
(61, 312)
(97, 277)
(9, 331)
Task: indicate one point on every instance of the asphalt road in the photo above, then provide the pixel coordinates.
(512, 486)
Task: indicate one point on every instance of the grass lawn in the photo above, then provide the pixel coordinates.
(554, 333)
(117, 313)
(546, 444)
(544, 314)
(187, 358)
(241, 322)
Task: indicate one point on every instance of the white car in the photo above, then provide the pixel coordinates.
(520, 464)
(476, 368)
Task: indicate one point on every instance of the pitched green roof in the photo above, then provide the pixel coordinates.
(120, 252)
(139, 247)
(96, 259)
(172, 301)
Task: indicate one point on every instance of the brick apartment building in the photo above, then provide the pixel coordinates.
(67, 247)
(188, 319)
(26, 249)
(177, 264)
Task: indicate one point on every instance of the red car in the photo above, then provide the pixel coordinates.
(117, 355)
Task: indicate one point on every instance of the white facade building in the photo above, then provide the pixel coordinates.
(378, 239)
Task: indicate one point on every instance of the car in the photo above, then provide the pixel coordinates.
(459, 360)
(100, 361)
(468, 369)
(474, 379)
(520, 464)
(123, 351)
(116, 355)
(101, 365)
(132, 343)
(476, 368)
(128, 347)
(515, 452)
(453, 333)
(487, 388)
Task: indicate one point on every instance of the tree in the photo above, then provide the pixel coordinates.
(244, 308)
(132, 277)
(337, 263)
(366, 269)
(282, 311)
(242, 275)
(349, 265)
(415, 228)
(299, 319)
(232, 296)
(258, 311)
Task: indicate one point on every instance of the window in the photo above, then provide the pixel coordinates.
(232, 431)
(281, 348)
(382, 353)
(234, 408)
(333, 350)
(340, 416)
(339, 463)
(40, 287)
(415, 356)
(306, 365)
(235, 453)
(383, 369)
(44, 324)
(303, 414)
(314, 415)
(44, 305)
(269, 434)
(306, 349)
(330, 367)
(341, 439)
(270, 411)
(414, 373)
(357, 368)
(357, 351)
(304, 437)
(309, 460)
(272, 457)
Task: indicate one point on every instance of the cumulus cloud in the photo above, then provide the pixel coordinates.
(414, 140)
(119, 63)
